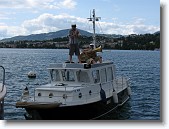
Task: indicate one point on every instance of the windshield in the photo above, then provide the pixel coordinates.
(96, 76)
(82, 76)
(55, 75)
(68, 75)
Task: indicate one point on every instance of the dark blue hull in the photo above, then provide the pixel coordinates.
(2, 109)
(79, 112)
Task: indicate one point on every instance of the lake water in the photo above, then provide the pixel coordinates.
(142, 67)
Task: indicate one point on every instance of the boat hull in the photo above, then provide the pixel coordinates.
(79, 112)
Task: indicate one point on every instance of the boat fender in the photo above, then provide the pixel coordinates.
(129, 91)
(25, 94)
(115, 97)
(26, 91)
(103, 96)
(31, 74)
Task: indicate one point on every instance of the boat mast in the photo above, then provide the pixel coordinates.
(94, 18)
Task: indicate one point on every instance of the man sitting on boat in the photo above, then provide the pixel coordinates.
(90, 56)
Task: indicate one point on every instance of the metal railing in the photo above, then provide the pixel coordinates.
(122, 82)
(3, 81)
(85, 96)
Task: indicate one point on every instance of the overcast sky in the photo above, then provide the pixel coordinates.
(24, 17)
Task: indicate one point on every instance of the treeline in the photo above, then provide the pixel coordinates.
(134, 42)
(140, 42)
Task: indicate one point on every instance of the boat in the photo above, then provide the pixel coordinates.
(2, 93)
(77, 91)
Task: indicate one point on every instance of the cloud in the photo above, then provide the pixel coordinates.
(49, 4)
(3, 30)
(68, 4)
(3, 17)
(50, 23)
(43, 24)
(10, 31)
(135, 27)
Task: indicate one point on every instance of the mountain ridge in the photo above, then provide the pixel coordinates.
(44, 36)
(57, 34)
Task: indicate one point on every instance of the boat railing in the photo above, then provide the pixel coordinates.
(3, 79)
(85, 97)
(64, 97)
(122, 82)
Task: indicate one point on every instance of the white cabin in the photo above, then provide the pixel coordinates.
(73, 84)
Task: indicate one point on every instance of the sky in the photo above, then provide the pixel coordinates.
(25, 17)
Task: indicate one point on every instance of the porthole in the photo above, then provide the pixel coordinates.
(80, 95)
(90, 92)
(39, 94)
(50, 95)
(64, 96)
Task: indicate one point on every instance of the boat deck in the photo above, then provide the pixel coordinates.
(77, 65)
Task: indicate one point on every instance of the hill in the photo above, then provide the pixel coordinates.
(57, 34)
(44, 36)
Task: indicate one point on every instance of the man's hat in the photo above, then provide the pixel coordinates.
(91, 44)
(74, 25)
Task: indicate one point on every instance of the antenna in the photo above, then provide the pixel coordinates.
(90, 19)
(94, 18)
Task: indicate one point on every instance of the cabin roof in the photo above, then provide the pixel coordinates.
(77, 65)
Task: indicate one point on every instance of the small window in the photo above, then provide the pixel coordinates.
(103, 75)
(82, 76)
(55, 75)
(96, 76)
(109, 74)
(68, 75)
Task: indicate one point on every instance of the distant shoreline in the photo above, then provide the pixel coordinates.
(81, 48)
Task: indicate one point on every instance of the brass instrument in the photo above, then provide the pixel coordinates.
(98, 49)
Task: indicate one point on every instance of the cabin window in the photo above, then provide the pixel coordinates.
(68, 75)
(96, 76)
(55, 75)
(109, 74)
(103, 75)
(82, 76)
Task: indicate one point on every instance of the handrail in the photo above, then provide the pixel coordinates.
(3, 83)
(61, 96)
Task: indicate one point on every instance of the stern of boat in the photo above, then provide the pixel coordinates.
(123, 89)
